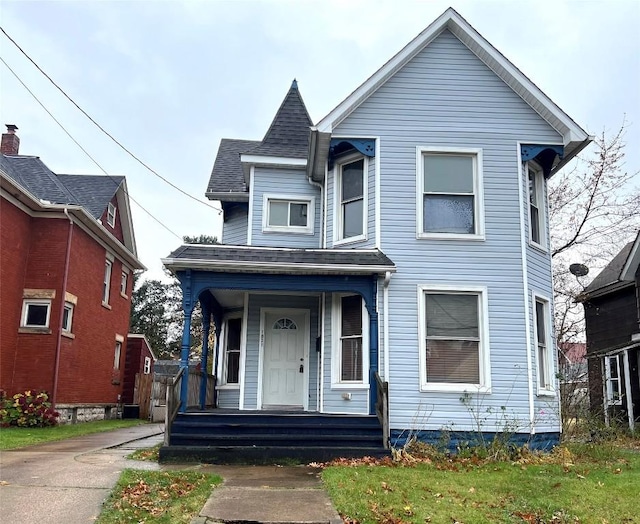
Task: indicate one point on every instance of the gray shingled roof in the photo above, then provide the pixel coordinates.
(219, 255)
(227, 175)
(611, 273)
(287, 136)
(91, 192)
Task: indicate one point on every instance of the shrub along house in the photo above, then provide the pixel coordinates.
(66, 267)
(612, 315)
(401, 242)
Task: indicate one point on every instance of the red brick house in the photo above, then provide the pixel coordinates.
(139, 360)
(66, 272)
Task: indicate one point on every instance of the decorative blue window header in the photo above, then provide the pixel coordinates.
(544, 155)
(338, 146)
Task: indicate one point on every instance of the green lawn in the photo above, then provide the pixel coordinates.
(13, 438)
(591, 485)
(160, 497)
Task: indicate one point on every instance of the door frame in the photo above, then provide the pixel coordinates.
(261, 349)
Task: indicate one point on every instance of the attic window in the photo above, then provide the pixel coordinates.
(111, 215)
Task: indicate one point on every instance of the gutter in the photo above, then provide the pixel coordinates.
(63, 294)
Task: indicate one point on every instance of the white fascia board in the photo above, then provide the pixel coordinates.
(633, 260)
(511, 75)
(122, 195)
(228, 196)
(262, 267)
(273, 160)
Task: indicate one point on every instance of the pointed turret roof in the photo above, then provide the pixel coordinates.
(288, 135)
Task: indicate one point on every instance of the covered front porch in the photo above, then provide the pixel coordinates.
(284, 334)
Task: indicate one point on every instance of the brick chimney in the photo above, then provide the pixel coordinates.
(10, 141)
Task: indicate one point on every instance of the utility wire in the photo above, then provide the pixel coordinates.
(116, 141)
(86, 152)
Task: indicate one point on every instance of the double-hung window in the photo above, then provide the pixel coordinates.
(612, 375)
(453, 338)
(544, 353)
(233, 338)
(351, 200)
(67, 317)
(117, 354)
(288, 214)
(449, 186)
(147, 365)
(111, 215)
(350, 357)
(536, 206)
(106, 285)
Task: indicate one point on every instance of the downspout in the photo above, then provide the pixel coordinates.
(65, 277)
(321, 223)
(385, 323)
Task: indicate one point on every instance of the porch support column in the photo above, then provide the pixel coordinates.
(370, 302)
(217, 321)
(206, 325)
(187, 308)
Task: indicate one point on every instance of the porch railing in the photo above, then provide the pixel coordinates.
(382, 407)
(173, 403)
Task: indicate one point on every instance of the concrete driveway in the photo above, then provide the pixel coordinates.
(67, 481)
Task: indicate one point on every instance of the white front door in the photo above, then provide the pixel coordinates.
(284, 367)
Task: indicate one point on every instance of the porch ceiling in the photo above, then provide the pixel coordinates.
(248, 259)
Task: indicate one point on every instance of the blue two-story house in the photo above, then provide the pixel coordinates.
(395, 254)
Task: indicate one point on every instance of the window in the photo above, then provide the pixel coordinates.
(536, 206)
(453, 338)
(116, 355)
(107, 281)
(35, 313)
(350, 356)
(124, 278)
(67, 317)
(147, 365)
(232, 351)
(351, 206)
(449, 194)
(612, 374)
(111, 215)
(288, 214)
(543, 346)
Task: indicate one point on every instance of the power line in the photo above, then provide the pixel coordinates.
(116, 141)
(85, 151)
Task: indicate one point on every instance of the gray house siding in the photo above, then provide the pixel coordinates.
(229, 398)
(234, 229)
(258, 301)
(287, 182)
(447, 97)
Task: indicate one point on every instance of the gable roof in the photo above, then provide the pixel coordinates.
(574, 137)
(287, 137)
(611, 277)
(91, 192)
(86, 197)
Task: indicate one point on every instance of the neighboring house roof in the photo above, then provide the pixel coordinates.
(138, 336)
(84, 197)
(91, 192)
(611, 278)
(574, 352)
(278, 260)
(574, 137)
(287, 137)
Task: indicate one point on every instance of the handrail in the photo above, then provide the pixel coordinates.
(173, 404)
(382, 407)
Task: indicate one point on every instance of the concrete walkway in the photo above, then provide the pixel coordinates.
(67, 482)
(268, 494)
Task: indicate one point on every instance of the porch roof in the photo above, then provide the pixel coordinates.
(248, 259)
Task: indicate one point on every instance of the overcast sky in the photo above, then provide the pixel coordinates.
(170, 79)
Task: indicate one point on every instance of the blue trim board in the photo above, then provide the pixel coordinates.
(452, 441)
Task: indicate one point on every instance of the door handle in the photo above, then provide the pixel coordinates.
(301, 368)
